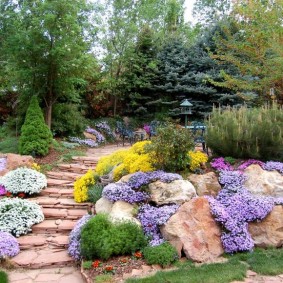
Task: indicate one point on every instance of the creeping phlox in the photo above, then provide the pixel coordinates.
(24, 180)
(9, 245)
(81, 186)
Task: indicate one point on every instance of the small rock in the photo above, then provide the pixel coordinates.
(58, 221)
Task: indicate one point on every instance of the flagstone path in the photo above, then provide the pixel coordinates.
(43, 257)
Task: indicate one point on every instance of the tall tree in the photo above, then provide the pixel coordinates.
(47, 46)
(253, 43)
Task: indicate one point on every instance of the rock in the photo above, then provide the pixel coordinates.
(178, 191)
(90, 136)
(205, 184)
(103, 205)
(124, 211)
(262, 182)
(269, 232)
(193, 230)
(125, 178)
(15, 160)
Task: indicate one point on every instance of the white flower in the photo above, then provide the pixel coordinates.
(24, 180)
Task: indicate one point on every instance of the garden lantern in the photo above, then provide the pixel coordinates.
(186, 109)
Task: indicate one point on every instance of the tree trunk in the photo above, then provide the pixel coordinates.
(48, 115)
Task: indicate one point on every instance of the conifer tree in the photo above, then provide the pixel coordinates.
(35, 134)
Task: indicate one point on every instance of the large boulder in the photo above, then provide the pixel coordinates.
(178, 192)
(89, 136)
(103, 205)
(262, 182)
(269, 232)
(194, 231)
(205, 184)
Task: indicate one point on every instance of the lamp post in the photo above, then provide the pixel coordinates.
(186, 109)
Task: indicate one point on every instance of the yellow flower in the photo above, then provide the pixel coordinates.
(35, 166)
(138, 147)
(196, 159)
(81, 186)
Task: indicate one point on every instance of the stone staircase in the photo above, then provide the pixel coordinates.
(47, 245)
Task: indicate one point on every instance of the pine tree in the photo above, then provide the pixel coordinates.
(35, 134)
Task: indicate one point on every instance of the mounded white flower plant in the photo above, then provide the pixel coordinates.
(18, 215)
(24, 180)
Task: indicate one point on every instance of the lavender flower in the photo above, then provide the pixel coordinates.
(75, 236)
(3, 162)
(273, 165)
(233, 179)
(87, 142)
(105, 128)
(99, 137)
(152, 217)
(220, 164)
(9, 245)
(122, 191)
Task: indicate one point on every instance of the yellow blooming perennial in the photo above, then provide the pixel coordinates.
(196, 159)
(81, 186)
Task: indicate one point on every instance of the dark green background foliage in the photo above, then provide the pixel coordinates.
(94, 193)
(247, 133)
(102, 239)
(3, 277)
(170, 147)
(35, 135)
(67, 120)
(164, 254)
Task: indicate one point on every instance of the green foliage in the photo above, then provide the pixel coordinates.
(35, 135)
(262, 261)
(247, 133)
(105, 278)
(3, 277)
(208, 273)
(67, 120)
(102, 239)
(94, 193)
(87, 264)
(9, 145)
(170, 147)
(164, 254)
(230, 160)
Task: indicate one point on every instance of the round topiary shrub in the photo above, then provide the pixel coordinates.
(164, 254)
(35, 137)
(100, 238)
(18, 215)
(24, 180)
(9, 245)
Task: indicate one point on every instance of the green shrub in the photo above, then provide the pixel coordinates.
(164, 254)
(9, 145)
(3, 277)
(102, 239)
(247, 133)
(35, 135)
(67, 120)
(170, 147)
(87, 264)
(94, 193)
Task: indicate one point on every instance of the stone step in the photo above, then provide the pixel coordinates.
(51, 182)
(53, 226)
(57, 192)
(64, 176)
(63, 213)
(39, 241)
(61, 203)
(75, 168)
(42, 258)
(86, 160)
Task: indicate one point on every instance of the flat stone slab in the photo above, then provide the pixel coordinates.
(29, 241)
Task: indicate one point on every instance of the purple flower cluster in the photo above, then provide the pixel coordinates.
(273, 165)
(2, 190)
(87, 142)
(234, 207)
(249, 162)
(9, 245)
(122, 191)
(220, 164)
(105, 128)
(233, 179)
(152, 217)
(75, 236)
(99, 137)
(3, 162)
(140, 179)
